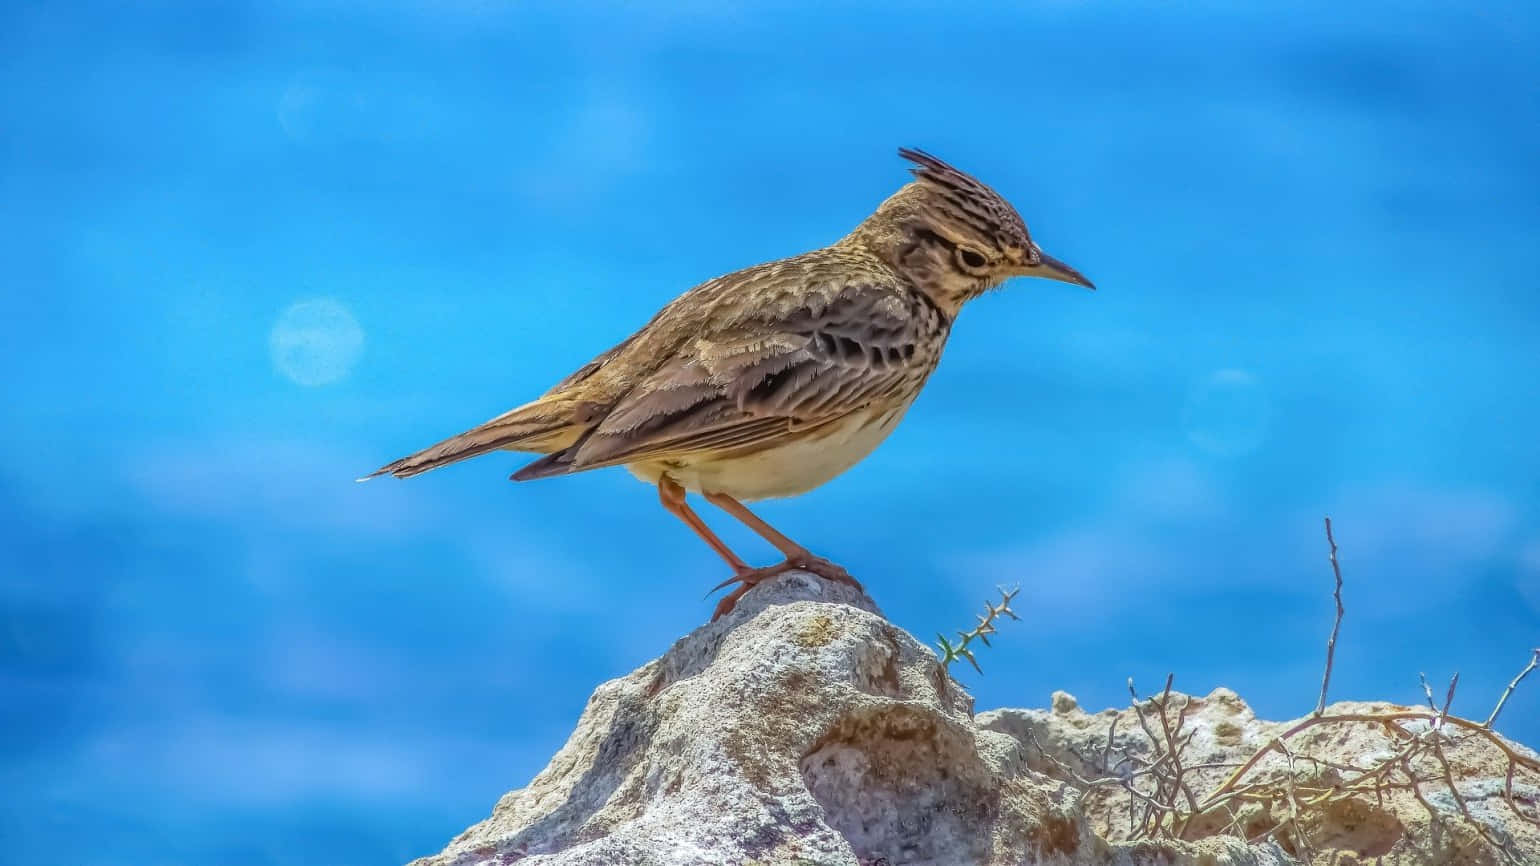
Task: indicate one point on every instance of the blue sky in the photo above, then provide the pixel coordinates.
(1313, 229)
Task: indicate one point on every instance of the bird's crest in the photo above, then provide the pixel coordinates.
(970, 197)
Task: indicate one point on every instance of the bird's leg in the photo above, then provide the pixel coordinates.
(797, 556)
(672, 497)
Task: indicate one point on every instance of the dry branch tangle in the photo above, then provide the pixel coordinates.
(1350, 797)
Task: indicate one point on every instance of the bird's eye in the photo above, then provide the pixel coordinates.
(971, 260)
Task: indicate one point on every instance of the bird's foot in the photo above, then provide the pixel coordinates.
(752, 577)
(824, 569)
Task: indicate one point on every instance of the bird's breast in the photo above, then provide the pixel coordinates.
(788, 468)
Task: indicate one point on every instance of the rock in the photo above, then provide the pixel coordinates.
(804, 729)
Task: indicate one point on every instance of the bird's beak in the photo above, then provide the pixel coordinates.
(1051, 268)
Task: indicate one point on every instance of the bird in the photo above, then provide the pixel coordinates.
(770, 381)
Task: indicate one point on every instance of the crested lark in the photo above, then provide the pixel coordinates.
(772, 380)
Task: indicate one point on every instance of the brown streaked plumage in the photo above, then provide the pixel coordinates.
(772, 380)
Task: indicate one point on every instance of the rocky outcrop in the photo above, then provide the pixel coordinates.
(804, 728)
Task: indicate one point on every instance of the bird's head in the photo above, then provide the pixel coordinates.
(954, 237)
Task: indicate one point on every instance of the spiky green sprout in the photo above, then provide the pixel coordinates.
(951, 652)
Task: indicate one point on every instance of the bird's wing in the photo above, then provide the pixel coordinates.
(571, 408)
(761, 381)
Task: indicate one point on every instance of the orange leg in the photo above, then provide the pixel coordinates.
(672, 497)
(797, 556)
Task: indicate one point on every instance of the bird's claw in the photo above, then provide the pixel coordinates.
(826, 570)
(754, 576)
(749, 578)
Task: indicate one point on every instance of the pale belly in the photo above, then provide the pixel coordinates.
(793, 468)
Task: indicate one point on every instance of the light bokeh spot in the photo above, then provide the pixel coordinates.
(316, 342)
(1227, 414)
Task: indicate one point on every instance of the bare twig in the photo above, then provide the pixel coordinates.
(1336, 625)
(1174, 747)
(1459, 799)
(1069, 773)
(1427, 690)
(1158, 816)
(1448, 697)
(1534, 659)
(1301, 836)
(1112, 730)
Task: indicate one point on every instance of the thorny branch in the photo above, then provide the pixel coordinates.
(951, 652)
(1534, 659)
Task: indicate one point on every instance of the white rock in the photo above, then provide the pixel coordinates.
(806, 729)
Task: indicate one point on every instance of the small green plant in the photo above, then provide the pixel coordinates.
(951, 652)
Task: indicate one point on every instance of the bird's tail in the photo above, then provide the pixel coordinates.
(544, 425)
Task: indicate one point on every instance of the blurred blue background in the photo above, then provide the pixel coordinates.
(257, 249)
